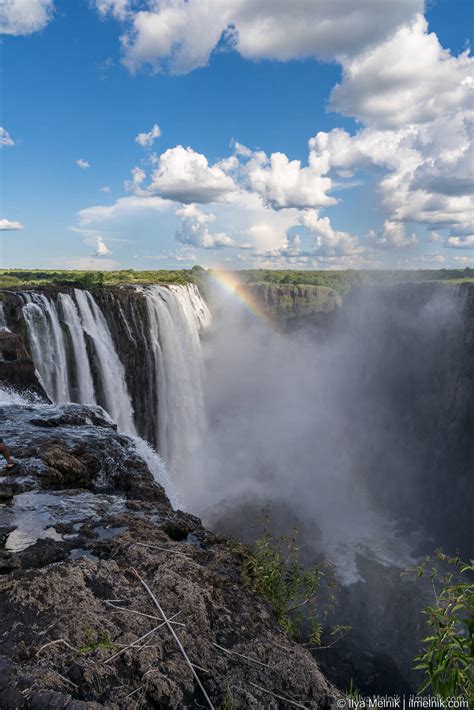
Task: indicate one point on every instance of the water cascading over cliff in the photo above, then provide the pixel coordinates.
(136, 352)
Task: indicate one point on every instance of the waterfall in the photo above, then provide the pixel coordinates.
(149, 378)
(85, 385)
(3, 323)
(111, 370)
(176, 315)
(47, 345)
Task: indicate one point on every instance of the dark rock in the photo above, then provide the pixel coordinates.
(5, 530)
(16, 366)
(56, 590)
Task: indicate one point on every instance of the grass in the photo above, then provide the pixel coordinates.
(94, 641)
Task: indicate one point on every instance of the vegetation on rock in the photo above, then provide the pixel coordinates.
(447, 659)
(340, 281)
(274, 568)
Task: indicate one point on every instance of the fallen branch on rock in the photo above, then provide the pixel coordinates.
(173, 632)
(236, 653)
(142, 638)
(140, 613)
(280, 697)
(57, 641)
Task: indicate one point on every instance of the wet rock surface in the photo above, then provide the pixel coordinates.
(82, 521)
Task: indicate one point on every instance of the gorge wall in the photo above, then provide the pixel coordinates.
(353, 419)
(402, 364)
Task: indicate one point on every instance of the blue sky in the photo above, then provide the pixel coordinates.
(236, 88)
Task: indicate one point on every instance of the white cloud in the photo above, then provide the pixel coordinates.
(106, 189)
(117, 8)
(284, 183)
(424, 171)
(409, 78)
(135, 184)
(23, 17)
(83, 164)
(392, 236)
(180, 36)
(466, 242)
(7, 225)
(92, 238)
(186, 176)
(101, 248)
(329, 241)
(5, 138)
(195, 229)
(146, 140)
(124, 208)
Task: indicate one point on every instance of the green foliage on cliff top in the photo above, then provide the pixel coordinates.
(341, 281)
(14, 278)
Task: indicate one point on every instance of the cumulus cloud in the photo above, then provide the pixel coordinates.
(179, 36)
(83, 164)
(146, 140)
(92, 238)
(393, 235)
(195, 229)
(135, 184)
(186, 176)
(408, 79)
(329, 241)
(412, 98)
(7, 225)
(23, 17)
(5, 138)
(117, 8)
(105, 188)
(423, 171)
(466, 242)
(284, 183)
(101, 248)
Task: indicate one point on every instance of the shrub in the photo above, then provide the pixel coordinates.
(447, 659)
(274, 568)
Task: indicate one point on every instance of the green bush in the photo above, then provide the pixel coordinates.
(447, 659)
(274, 569)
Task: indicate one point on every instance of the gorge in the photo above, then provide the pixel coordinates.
(353, 420)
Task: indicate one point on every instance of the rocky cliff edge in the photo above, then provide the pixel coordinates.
(84, 526)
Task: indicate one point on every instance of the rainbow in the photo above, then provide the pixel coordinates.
(231, 283)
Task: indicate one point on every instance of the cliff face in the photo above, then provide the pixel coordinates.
(415, 344)
(288, 303)
(83, 518)
(127, 317)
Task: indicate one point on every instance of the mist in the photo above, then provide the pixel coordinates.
(339, 428)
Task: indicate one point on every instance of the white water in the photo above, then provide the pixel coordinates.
(10, 396)
(157, 468)
(3, 322)
(111, 371)
(47, 345)
(177, 314)
(85, 385)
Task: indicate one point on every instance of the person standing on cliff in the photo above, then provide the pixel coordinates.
(11, 463)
